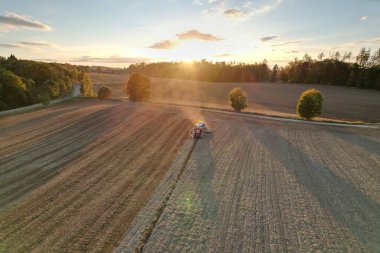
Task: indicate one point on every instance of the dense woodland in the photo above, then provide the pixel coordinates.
(344, 70)
(24, 82)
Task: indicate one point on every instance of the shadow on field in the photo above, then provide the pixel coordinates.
(30, 122)
(205, 168)
(34, 165)
(351, 208)
(360, 141)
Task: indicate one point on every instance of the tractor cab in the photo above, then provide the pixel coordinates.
(199, 130)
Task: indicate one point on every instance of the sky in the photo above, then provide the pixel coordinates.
(118, 33)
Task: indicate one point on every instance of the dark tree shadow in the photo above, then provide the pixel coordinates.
(349, 206)
(205, 168)
(361, 141)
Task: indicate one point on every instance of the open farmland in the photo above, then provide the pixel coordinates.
(74, 176)
(92, 176)
(341, 103)
(265, 186)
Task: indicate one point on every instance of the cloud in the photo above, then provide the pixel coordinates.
(222, 55)
(14, 21)
(189, 35)
(167, 44)
(358, 43)
(37, 44)
(268, 38)
(239, 9)
(292, 51)
(110, 59)
(363, 18)
(270, 5)
(287, 43)
(196, 35)
(235, 13)
(197, 2)
(10, 46)
(215, 6)
(18, 46)
(46, 60)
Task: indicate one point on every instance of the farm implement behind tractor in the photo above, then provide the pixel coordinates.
(199, 130)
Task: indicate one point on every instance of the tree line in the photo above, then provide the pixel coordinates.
(205, 71)
(334, 70)
(25, 82)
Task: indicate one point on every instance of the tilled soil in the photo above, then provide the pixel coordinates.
(94, 176)
(342, 103)
(266, 186)
(74, 176)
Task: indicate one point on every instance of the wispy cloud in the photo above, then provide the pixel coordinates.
(287, 43)
(363, 18)
(14, 21)
(235, 13)
(358, 43)
(10, 46)
(46, 60)
(240, 9)
(266, 7)
(196, 35)
(167, 44)
(110, 59)
(197, 2)
(292, 51)
(18, 46)
(222, 55)
(37, 44)
(268, 38)
(189, 35)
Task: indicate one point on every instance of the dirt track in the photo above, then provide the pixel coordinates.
(255, 186)
(341, 103)
(74, 176)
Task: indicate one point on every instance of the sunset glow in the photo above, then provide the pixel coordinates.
(118, 33)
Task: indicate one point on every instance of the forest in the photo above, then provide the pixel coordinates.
(25, 82)
(363, 71)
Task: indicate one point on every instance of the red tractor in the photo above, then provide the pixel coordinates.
(199, 131)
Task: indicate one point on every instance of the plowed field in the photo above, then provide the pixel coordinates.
(342, 103)
(72, 177)
(260, 186)
(95, 176)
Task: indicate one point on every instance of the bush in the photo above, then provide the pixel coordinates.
(86, 87)
(310, 104)
(104, 93)
(13, 90)
(138, 87)
(52, 87)
(43, 98)
(238, 99)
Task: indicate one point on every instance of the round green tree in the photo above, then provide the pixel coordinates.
(138, 87)
(310, 104)
(238, 99)
(104, 93)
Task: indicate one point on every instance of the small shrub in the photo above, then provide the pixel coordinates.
(44, 98)
(138, 87)
(104, 93)
(310, 104)
(238, 99)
